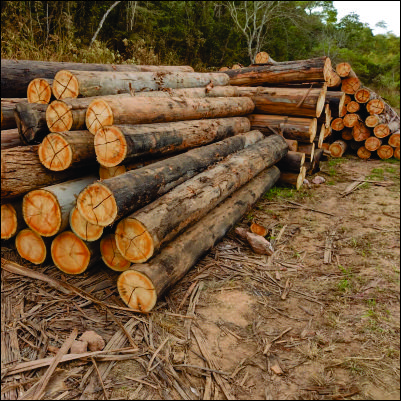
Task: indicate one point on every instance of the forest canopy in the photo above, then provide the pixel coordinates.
(204, 34)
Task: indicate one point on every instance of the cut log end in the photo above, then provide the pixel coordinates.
(327, 69)
(31, 246)
(360, 132)
(69, 253)
(363, 153)
(394, 140)
(110, 146)
(111, 256)
(397, 153)
(9, 221)
(59, 116)
(224, 69)
(381, 130)
(137, 290)
(375, 106)
(55, 153)
(97, 205)
(98, 115)
(385, 152)
(353, 107)
(350, 120)
(337, 124)
(39, 91)
(65, 85)
(362, 95)
(372, 143)
(338, 148)
(109, 172)
(41, 212)
(343, 69)
(372, 121)
(134, 241)
(262, 58)
(82, 228)
(350, 85)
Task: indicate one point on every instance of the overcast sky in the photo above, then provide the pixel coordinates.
(371, 12)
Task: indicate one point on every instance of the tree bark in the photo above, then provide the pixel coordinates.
(10, 138)
(72, 255)
(47, 210)
(7, 112)
(372, 143)
(308, 149)
(140, 287)
(385, 152)
(363, 153)
(313, 167)
(17, 74)
(104, 202)
(360, 132)
(32, 247)
(394, 140)
(298, 71)
(111, 256)
(73, 83)
(40, 91)
(336, 101)
(141, 234)
(294, 179)
(82, 228)
(121, 144)
(11, 219)
(63, 150)
(292, 162)
(337, 148)
(22, 171)
(136, 110)
(31, 122)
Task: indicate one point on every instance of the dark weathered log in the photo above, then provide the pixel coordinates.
(73, 83)
(372, 143)
(104, 202)
(40, 90)
(140, 288)
(360, 132)
(363, 153)
(32, 247)
(121, 144)
(142, 233)
(385, 152)
(293, 179)
(394, 140)
(11, 219)
(313, 167)
(302, 129)
(137, 110)
(22, 171)
(7, 112)
(337, 148)
(298, 71)
(308, 149)
(31, 122)
(73, 255)
(17, 74)
(10, 138)
(62, 150)
(82, 228)
(292, 161)
(47, 210)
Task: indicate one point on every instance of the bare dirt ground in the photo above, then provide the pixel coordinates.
(241, 325)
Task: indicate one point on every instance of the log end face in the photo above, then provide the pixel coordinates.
(39, 91)
(98, 115)
(313, 129)
(9, 222)
(362, 95)
(69, 253)
(111, 256)
(65, 85)
(327, 69)
(134, 241)
(55, 153)
(110, 146)
(385, 152)
(30, 246)
(381, 130)
(59, 116)
(82, 228)
(42, 212)
(321, 102)
(109, 172)
(363, 153)
(397, 153)
(137, 290)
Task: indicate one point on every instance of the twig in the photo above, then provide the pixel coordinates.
(156, 352)
(100, 377)
(220, 372)
(309, 208)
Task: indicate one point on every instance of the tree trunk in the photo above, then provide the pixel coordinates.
(22, 171)
(394, 140)
(302, 129)
(73, 83)
(47, 210)
(360, 132)
(351, 119)
(363, 153)
(294, 179)
(353, 107)
(140, 288)
(337, 148)
(40, 90)
(17, 74)
(385, 152)
(104, 202)
(11, 219)
(308, 149)
(63, 150)
(82, 228)
(362, 95)
(136, 110)
(31, 122)
(397, 153)
(32, 247)
(292, 162)
(336, 101)
(72, 255)
(10, 138)
(372, 143)
(141, 234)
(298, 71)
(337, 124)
(125, 143)
(111, 256)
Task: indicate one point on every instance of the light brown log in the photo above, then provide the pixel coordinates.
(327, 132)
(17, 74)
(63, 150)
(346, 134)
(302, 129)
(307, 148)
(333, 80)
(372, 143)
(10, 138)
(136, 110)
(360, 132)
(381, 130)
(337, 124)
(31, 246)
(22, 171)
(363, 153)
(397, 153)
(224, 69)
(72, 255)
(142, 233)
(40, 90)
(385, 152)
(322, 132)
(121, 144)
(82, 228)
(104, 202)
(73, 83)
(292, 144)
(353, 107)
(262, 58)
(297, 71)
(343, 111)
(11, 219)
(47, 210)
(336, 101)
(337, 148)
(350, 119)
(375, 106)
(394, 140)
(350, 85)
(325, 117)
(343, 69)
(362, 95)
(141, 286)
(31, 122)
(294, 179)
(111, 256)
(292, 161)
(375, 119)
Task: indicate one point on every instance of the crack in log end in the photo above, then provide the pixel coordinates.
(111, 255)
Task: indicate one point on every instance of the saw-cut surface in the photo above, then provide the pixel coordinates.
(39, 91)
(31, 246)
(363, 153)
(59, 116)
(65, 85)
(55, 152)
(9, 221)
(385, 152)
(82, 228)
(110, 146)
(111, 256)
